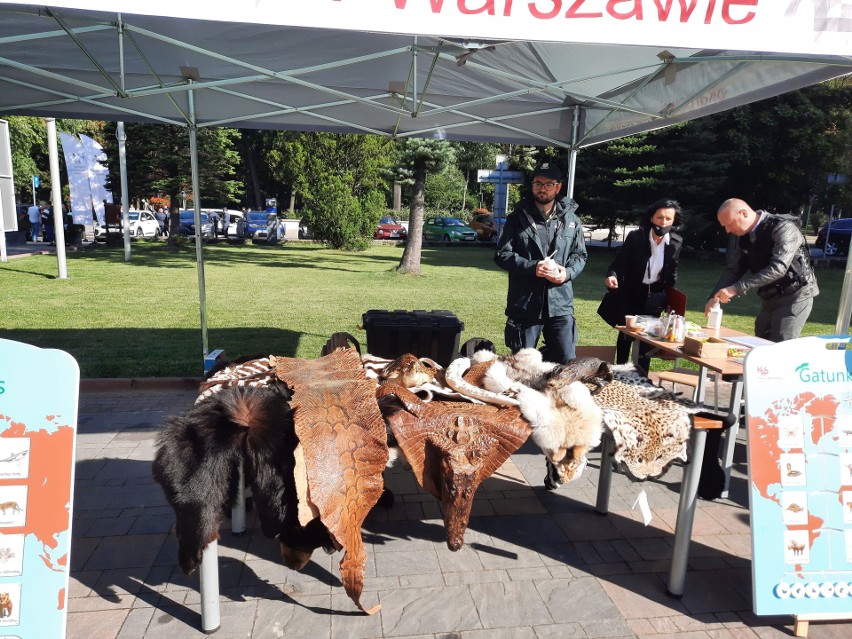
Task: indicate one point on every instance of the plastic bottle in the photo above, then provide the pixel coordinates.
(714, 318)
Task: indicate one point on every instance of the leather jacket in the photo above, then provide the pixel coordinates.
(523, 243)
(777, 257)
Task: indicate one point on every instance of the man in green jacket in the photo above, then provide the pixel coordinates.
(542, 248)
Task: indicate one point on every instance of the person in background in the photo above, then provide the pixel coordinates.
(34, 213)
(767, 252)
(160, 216)
(226, 221)
(644, 267)
(214, 220)
(543, 250)
(47, 224)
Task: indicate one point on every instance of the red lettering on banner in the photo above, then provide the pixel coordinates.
(557, 7)
(634, 12)
(574, 11)
(488, 7)
(437, 5)
(726, 11)
(709, 14)
(666, 10)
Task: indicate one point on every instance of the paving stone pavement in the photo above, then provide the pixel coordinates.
(535, 564)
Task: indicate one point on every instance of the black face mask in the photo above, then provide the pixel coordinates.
(660, 231)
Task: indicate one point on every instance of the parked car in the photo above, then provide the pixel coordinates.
(236, 222)
(484, 225)
(141, 224)
(447, 229)
(305, 232)
(261, 226)
(237, 226)
(390, 229)
(187, 224)
(838, 237)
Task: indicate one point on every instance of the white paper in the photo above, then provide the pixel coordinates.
(644, 508)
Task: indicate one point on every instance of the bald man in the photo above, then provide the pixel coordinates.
(768, 253)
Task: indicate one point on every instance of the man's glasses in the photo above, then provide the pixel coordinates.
(547, 186)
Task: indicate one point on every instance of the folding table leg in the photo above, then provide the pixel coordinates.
(208, 573)
(686, 513)
(605, 475)
(238, 510)
(730, 437)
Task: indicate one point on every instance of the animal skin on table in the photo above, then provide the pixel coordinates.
(197, 464)
(343, 435)
(452, 447)
(650, 426)
(565, 420)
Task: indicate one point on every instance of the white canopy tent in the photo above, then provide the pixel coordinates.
(547, 72)
(402, 68)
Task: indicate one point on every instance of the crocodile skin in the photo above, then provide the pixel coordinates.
(452, 447)
(341, 429)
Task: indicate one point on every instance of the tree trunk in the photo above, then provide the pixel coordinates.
(173, 224)
(397, 196)
(255, 184)
(410, 262)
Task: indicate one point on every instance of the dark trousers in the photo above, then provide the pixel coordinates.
(622, 351)
(560, 336)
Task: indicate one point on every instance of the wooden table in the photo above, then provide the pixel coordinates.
(723, 366)
(692, 470)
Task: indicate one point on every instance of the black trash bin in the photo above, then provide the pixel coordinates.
(433, 334)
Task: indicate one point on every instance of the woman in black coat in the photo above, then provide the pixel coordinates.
(644, 267)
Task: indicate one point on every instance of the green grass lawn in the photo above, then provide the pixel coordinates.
(142, 318)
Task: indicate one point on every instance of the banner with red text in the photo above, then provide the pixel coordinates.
(792, 26)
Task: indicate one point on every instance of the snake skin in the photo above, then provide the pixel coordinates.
(339, 424)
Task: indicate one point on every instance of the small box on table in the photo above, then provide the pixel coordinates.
(432, 334)
(711, 347)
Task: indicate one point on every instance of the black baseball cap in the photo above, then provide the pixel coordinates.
(549, 170)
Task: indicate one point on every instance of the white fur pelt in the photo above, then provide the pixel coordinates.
(565, 419)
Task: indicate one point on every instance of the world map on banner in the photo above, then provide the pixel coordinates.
(34, 535)
(36, 481)
(800, 471)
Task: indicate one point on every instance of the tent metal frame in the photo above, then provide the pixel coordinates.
(423, 106)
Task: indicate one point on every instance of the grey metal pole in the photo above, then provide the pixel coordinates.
(238, 510)
(844, 313)
(208, 577)
(56, 198)
(7, 161)
(196, 203)
(125, 196)
(572, 158)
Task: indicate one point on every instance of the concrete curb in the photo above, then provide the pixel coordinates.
(139, 383)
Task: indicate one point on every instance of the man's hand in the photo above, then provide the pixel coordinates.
(551, 271)
(611, 282)
(723, 295)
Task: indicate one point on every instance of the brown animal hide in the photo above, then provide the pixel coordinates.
(341, 429)
(409, 371)
(452, 447)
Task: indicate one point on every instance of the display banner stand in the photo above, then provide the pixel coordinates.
(799, 422)
(38, 423)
